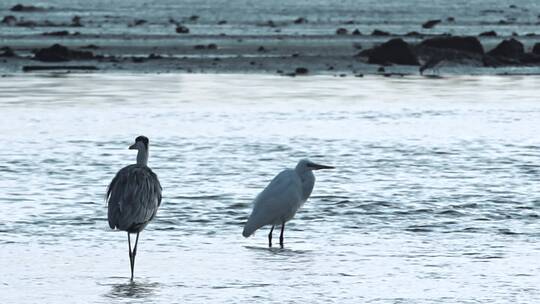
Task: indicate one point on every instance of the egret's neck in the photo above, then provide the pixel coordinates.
(142, 157)
(308, 181)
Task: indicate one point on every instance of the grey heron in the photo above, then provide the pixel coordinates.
(133, 197)
(280, 200)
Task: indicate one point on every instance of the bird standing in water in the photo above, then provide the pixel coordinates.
(280, 200)
(133, 197)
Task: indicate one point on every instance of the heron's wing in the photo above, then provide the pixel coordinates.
(277, 203)
(133, 197)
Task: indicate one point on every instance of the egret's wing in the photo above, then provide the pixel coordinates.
(133, 197)
(276, 203)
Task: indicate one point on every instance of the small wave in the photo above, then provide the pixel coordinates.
(419, 228)
(506, 231)
(199, 197)
(451, 212)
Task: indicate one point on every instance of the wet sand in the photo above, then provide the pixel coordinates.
(277, 38)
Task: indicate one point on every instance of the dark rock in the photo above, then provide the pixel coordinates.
(364, 53)
(261, 49)
(50, 23)
(26, 23)
(9, 20)
(212, 46)
(488, 34)
(356, 32)
(26, 8)
(431, 23)
(90, 47)
(530, 35)
(380, 69)
(536, 48)
(193, 18)
(58, 33)
(491, 11)
(199, 47)
(137, 59)
(530, 58)
(341, 31)
(510, 48)
(450, 19)
(76, 21)
(413, 34)
(301, 71)
(512, 6)
(221, 22)
(357, 46)
(181, 29)
(458, 43)
(393, 51)
(138, 22)
(300, 20)
(30, 68)
(377, 32)
(6, 51)
(58, 52)
(154, 56)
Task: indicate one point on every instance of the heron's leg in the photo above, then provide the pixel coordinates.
(130, 256)
(134, 254)
(135, 249)
(281, 235)
(270, 237)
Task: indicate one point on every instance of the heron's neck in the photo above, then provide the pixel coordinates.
(142, 157)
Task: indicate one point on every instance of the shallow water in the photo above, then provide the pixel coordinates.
(434, 200)
(244, 17)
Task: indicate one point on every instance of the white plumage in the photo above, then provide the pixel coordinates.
(281, 199)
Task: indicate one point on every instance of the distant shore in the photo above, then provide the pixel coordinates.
(40, 38)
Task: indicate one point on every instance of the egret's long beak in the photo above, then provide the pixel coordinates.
(133, 147)
(319, 167)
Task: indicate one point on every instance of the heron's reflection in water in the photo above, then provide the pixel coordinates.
(133, 290)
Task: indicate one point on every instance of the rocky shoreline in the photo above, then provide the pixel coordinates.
(29, 41)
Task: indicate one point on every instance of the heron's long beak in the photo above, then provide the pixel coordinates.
(319, 167)
(133, 147)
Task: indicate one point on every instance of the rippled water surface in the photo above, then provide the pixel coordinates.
(435, 198)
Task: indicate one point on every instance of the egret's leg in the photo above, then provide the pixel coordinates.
(270, 237)
(130, 256)
(134, 254)
(281, 235)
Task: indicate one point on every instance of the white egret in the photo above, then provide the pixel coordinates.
(280, 200)
(133, 197)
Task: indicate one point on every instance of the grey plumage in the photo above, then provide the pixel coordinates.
(133, 197)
